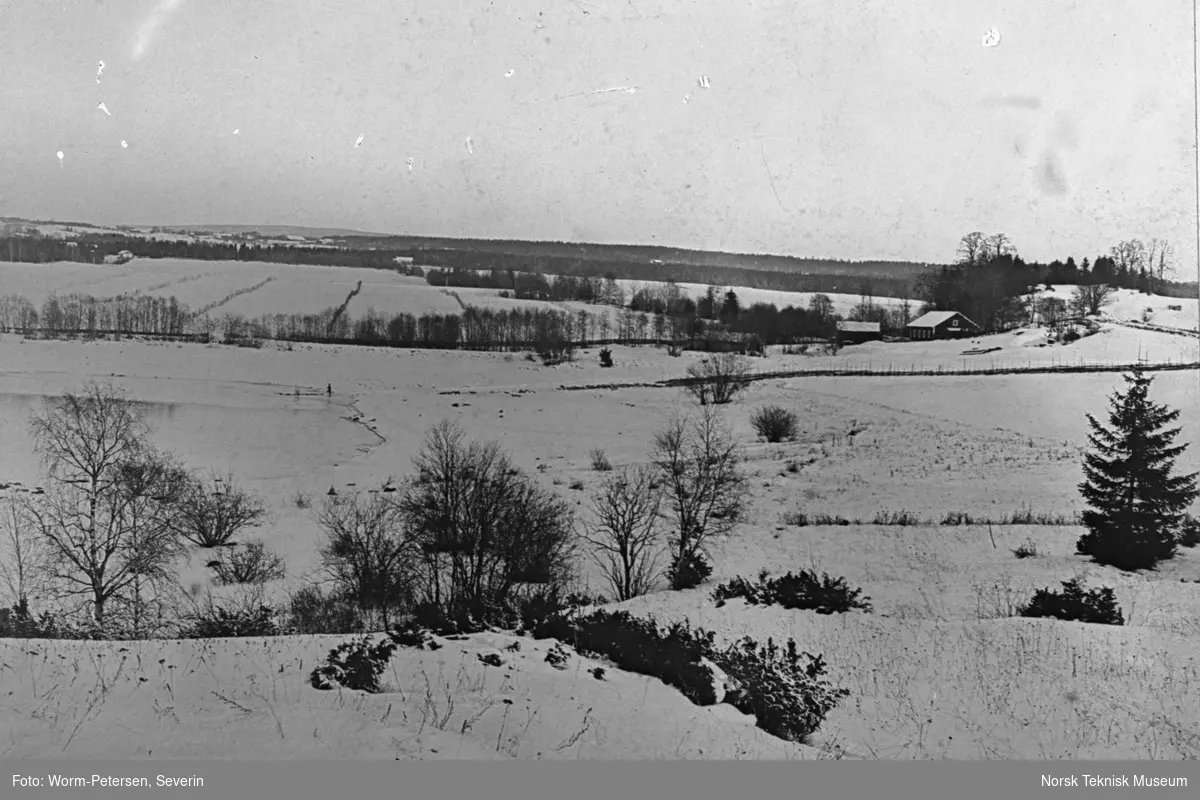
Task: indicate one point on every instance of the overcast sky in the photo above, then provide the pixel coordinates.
(870, 129)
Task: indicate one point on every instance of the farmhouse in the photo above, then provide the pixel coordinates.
(941, 325)
(856, 332)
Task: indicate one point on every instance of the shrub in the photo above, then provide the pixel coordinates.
(797, 519)
(557, 657)
(783, 688)
(366, 553)
(796, 591)
(688, 572)
(1097, 606)
(485, 533)
(302, 501)
(673, 655)
(214, 510)
(18, 622)
(577, 485)
(491, 659)
(902, 518)
(716, 380)
(312, 611)
(605, 357)
(221, 622)
(600, 462)
(1026, 550)
(775, 423)
(250, 563)
(355, 665)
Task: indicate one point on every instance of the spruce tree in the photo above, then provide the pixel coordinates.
(1136, 505)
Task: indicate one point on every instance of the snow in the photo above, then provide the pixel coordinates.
(933, 672)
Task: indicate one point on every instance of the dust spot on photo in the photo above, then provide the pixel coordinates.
(1051, 179)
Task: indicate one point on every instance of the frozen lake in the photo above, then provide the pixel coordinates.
(270, 441)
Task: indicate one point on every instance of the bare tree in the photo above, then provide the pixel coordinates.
(972, 248)
(486, 530)
(1052, 310)
(698, 461)
(113, 549)
(214, 510)
(718, 378)
(624, 538)
(366, 553)
(1130, 255)
(821, 306)
(22, 553)
(1160, 260)
(105, 517)
(1090, 298)
(999, 245)
(978, 248)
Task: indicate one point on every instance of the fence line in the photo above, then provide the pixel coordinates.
(893, 372)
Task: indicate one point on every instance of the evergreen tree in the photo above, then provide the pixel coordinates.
(1136, 504)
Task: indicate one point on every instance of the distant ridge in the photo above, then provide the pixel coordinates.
(266, 230)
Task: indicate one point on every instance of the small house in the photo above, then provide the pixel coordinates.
(857, 332)
(941, 325)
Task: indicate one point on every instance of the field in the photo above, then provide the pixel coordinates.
(940, 669)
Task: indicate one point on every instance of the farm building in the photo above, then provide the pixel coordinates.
(941, 325)
(856, 332)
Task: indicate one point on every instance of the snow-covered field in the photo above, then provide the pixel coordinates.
(1131, 306)
(936, 671)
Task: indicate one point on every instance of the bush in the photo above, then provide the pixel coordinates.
(250, 563)
(1097, 606)
(600, 462)
(554, 350)
(797, 519)
(222, 622)
(367, 554)
(638, 645)
(901, 518)
(689, 572)
(311, 611)
(796, 591)
(354, 665)
(775, 423)
(1026, 550)
(214, 510)
(605, 357)
(783, 688)
(716, 380)
(18, 623)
